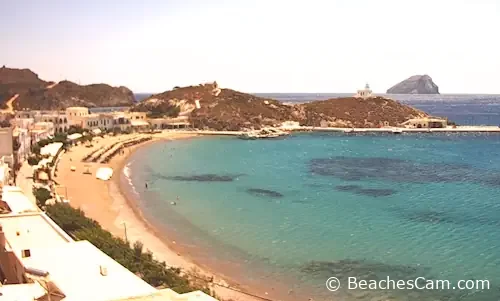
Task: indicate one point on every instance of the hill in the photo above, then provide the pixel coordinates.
(417, 84)
(226, 109)
(17, 81)
(35, 93)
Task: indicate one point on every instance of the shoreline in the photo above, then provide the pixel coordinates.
(118, 212)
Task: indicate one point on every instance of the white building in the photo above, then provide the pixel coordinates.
(22, 138)
(4, 173)
(39, 261)
(6, 146)
(365, 93)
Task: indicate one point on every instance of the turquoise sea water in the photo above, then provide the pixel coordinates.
(296, 211)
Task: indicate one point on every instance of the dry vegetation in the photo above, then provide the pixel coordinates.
(233, 110)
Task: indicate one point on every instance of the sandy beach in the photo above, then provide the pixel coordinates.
(117, 213)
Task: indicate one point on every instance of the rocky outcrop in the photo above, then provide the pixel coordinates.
(417, 84)
(37, 94)
(232, 110)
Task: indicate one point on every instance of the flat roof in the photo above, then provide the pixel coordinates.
(21, 292)
(75, 268)
(170, 295)
(17, 201)
(75, 136)
(51, 149)
(136, 122)
(77, 108)
(31, 230)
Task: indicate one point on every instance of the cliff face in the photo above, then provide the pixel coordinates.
(232, 110)
(417, 84)
(35, 93)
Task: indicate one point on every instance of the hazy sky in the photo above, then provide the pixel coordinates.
(256, 45)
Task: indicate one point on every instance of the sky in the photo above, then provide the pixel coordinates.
(314, 46)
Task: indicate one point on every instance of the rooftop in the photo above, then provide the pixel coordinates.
(170, 295)
(21, 292)
(16, 200)
(139, 123)
(51, 149)
(77, 270)
(75, 136)
(31, 230)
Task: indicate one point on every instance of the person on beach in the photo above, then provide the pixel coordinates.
(146, 185)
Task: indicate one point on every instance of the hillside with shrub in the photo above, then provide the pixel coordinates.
(38, 94)
(226, 109)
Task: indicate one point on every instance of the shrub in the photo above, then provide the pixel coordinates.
(41, 196)
(134, 258)
(33, 160)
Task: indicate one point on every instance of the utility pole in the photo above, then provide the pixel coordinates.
(125, 230)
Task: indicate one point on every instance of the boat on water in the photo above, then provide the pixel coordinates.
(397, 131)
(348, 131)
(264, 133)
(248, 136)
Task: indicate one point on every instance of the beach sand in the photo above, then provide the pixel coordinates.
(104, 202)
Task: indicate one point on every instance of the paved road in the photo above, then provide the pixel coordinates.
(24, 181)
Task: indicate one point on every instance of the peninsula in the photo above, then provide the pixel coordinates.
(208, 106)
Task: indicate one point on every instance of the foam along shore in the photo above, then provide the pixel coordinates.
(105, 202)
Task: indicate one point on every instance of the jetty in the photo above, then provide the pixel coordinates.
(399, 130)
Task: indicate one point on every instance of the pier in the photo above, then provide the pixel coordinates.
(458, 129)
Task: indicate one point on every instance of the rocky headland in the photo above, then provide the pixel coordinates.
(226, 109)
(417, 84)
(35, 93)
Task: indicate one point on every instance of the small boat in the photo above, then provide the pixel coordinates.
(348, 131)
(248, 136)
(265, 133)
(397, 131)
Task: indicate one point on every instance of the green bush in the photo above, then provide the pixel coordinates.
(41, 196)
(73, 129)
(156, 273)
(33, 160)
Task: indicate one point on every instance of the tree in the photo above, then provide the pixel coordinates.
(33, 160)
(41, 196)
(73, 129)
(4, 123)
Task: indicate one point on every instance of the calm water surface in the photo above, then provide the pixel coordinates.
(312, 206)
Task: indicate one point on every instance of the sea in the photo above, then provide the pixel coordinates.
(283, 217)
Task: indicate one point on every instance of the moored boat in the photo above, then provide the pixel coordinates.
(264, 133)
(397, 131)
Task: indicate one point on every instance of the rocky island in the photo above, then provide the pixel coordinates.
(208, 106)
(417, 84)
(30, 92)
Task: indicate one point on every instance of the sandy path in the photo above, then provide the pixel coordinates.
(51, 86)
(10, 102)
(104, 202)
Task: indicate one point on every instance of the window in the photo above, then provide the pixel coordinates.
(26, 253)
